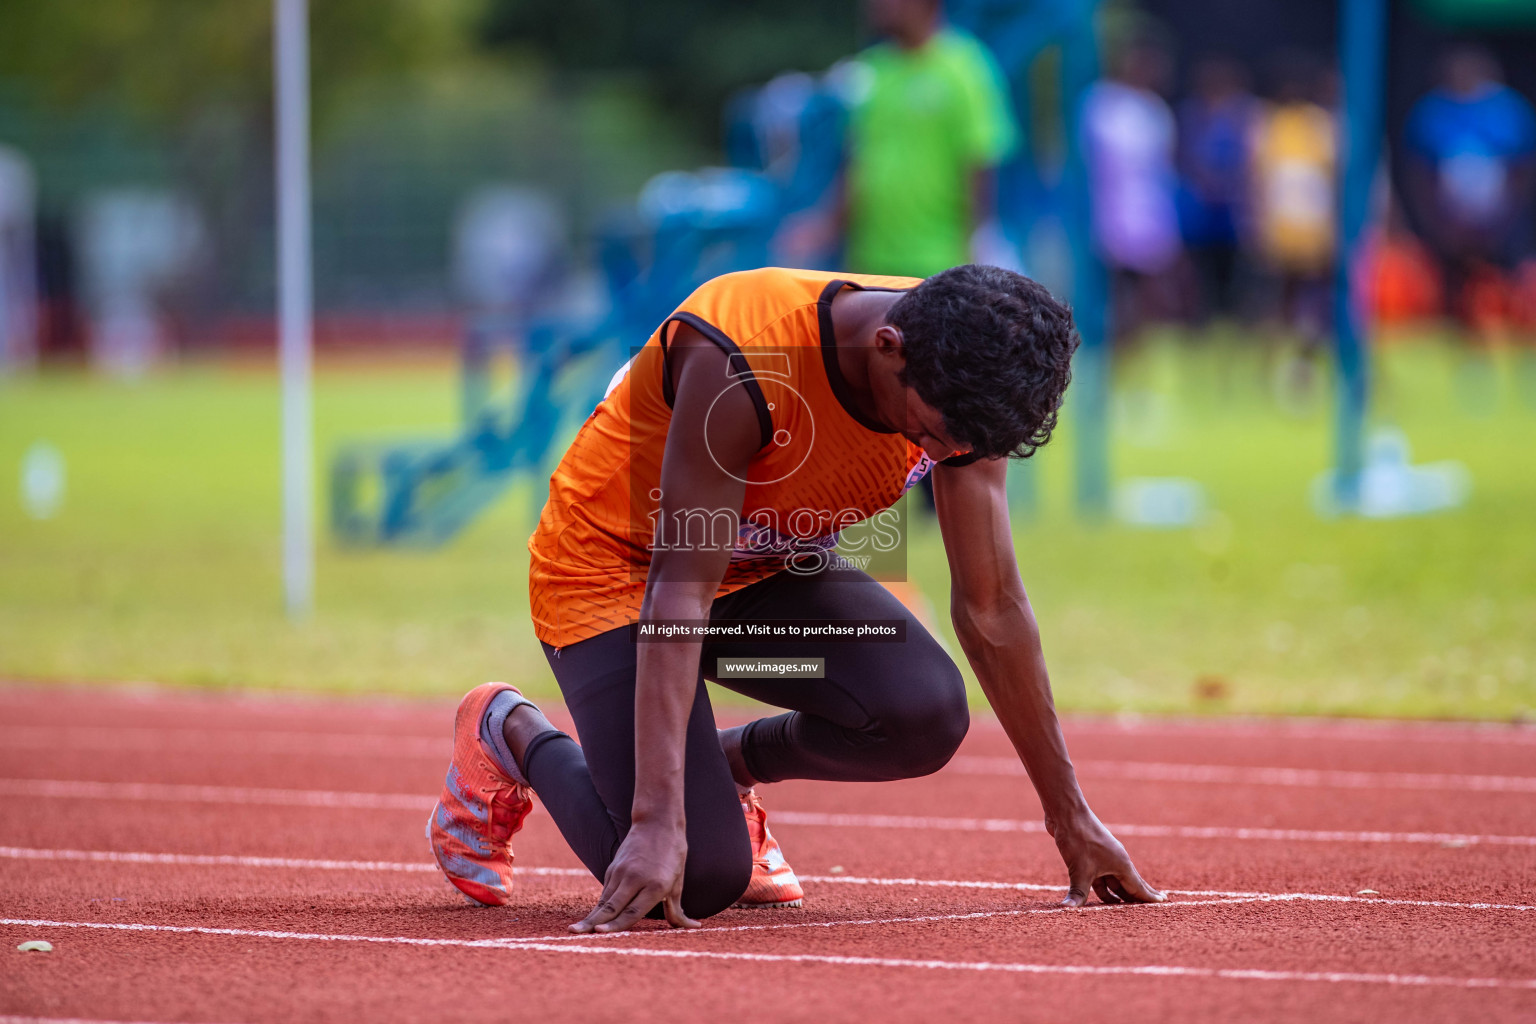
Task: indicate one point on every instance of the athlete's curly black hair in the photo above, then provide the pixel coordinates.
(991, 350)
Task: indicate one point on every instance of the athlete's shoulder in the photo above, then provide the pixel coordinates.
(748, 300)
(879, 282)
(780, 282)
(742, 304)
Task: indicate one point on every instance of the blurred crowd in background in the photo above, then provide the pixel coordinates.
(1224, 204)
(474, 156)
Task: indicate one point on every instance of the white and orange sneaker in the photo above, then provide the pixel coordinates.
(773, 881)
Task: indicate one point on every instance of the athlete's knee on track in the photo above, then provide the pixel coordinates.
(925, 728)
(716, 884)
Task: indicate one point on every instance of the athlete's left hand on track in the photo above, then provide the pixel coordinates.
(1096, 861)
(647, 870)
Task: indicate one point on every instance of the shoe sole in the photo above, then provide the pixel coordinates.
(786, 905)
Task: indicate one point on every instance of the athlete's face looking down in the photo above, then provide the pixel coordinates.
(898, 406)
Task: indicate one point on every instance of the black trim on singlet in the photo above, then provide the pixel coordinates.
(739, 368)
(835, 376)
(960, 460)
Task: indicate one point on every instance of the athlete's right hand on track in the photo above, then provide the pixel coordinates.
(647, 870)
(1096, 862)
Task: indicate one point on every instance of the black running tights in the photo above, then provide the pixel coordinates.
(883, 711)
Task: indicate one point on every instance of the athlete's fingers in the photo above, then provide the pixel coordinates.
(610, 882)
(641, 905)
(1130, 885)
(602, 912)
(1077, 895)
(1116, 887)
(1101, 886)
(672, 906)
(617, 895)
(586, 923)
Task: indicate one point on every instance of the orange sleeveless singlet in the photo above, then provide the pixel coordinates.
(822, 467)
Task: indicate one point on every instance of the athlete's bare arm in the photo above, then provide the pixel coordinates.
(695, 475)
(996, 628)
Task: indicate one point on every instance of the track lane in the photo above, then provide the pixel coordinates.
(130, 978)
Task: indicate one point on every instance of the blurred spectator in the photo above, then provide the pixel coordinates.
(1470, 145)
(1295, 156)
(18, 262)
(60, 333)
(508, 241)
(930, 122)
(1401, 281)
(1216, 127)
(1129, 141)
(137, 248)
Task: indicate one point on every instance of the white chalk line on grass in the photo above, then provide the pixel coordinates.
(423, 867)
(167, 792)
(1153, 771)
(902, 963)
(309, 744)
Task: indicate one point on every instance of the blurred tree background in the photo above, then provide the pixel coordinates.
(416, 104)
(687, 55)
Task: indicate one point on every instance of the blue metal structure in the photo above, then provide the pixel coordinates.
(1048, 50)
(787, 142)
(687, 229)
(1362, 34)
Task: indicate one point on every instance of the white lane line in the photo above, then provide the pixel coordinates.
(311, 744)
(226, 741)
(900, 963)
(1243, 898)
(977, 915)
(173, 793)
(1153, 771)
(422, 867)
(942, 824)
(1319, 897)
(155, 791)
(434, 715)
(1368, 729)
(231, 861)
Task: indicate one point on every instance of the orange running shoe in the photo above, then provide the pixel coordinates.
(773, 881)
(480, 808)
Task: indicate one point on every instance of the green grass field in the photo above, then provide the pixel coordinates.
(162, 563)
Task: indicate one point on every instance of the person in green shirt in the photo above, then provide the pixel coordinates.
(929, 124)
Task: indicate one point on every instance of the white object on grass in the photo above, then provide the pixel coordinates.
(1391, 486)
(42, 480)
(1159, 502)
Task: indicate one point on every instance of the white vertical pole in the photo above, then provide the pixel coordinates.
(290, 53)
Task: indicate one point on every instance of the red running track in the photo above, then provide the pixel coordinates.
(249, 859)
